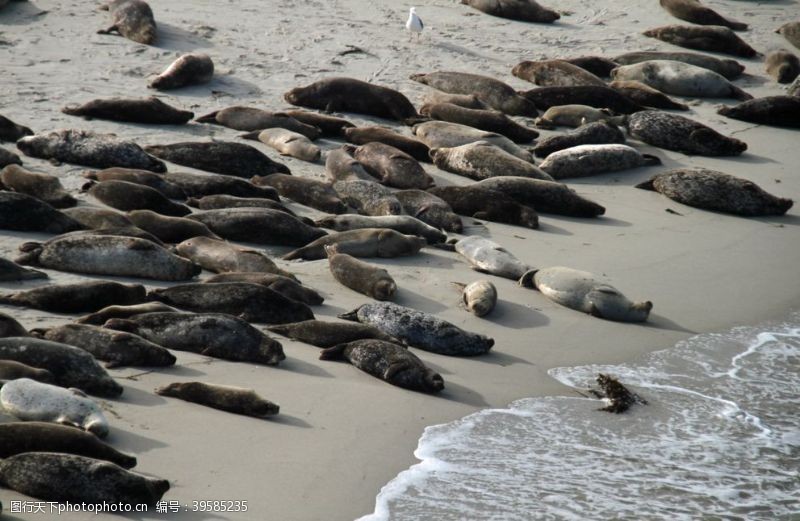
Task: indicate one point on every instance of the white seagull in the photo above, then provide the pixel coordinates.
(414, 23)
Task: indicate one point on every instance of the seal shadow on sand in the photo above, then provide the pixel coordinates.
(289, 421)
(412, 299)
(138, 397)
(458, 393)
(132, 442)
(660, 322)
(21, 13)
(174, 38)
(221, 86)
(516, 316)
(296, 365)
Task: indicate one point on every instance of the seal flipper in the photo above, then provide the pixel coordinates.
(651, 160)
(527, 281)
(211, 117)
(647, 185)
(350, 315)
(31, 251)
(112, 29)
(251, 135)
(594, 311)
(333, 353)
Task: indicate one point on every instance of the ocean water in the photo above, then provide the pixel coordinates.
(719, 439)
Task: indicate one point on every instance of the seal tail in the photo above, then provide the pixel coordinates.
(647, 185)
(251, 135)
(296, 254)
(350, 315)
(740, 94)
(211, 117)
(31, 252)
(73, 109)
(333, 353)
(526, 281)
(651, 160)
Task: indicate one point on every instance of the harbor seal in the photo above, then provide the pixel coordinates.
(498, 95)
(341, 166)
(222, 257)
(306, 191)
(681, 79)
(188, 69)
(791, 31)
(363, 135)
(150, 110)
(544, 196)
(12, 132)
(29, 400)
(221, 157)
(351, 95)
(782, 111)
(588, 160)
(70, 366)
(93, 218)
(199, 185)
(218, 201)
(237, 400)
(404, 224)
(730, 69)
(360, 276)
(490, 205)
(170, 229)
(330, 126)
(116, 348)
(87, 148)
(597, 65)
(250, 119)
(696, 13)
(523, 10)
(597, 133)
(209, 334)
(591, 95)
(328, 334)
(44, 187)
(443, 134)
(482, 160)
(421, 330)
(132, 19)
(716, 191)
(367, 242)
(368, 197)
(487, 256)
(288, 143)
(390, 362)
(77, 297)
(8, 158)
(575, 116)
(782, 65)
(470, 101)
(34, 436)
(284, 285)
(99, 318)
(126, 196)
(109, 255)
(673, 132)
(646, 95)
(554, 73)
(430, 209)
(583, 291)
(67, 478)
(140, 177)
(11, 370)
(488, 120)
(11, 271)
(704, 38)
(251, 302)
(10, 327)
(391, 166)
(479, 297)
(259, 225)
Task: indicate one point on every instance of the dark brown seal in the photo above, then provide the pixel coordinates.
(150, 110)
(704, 38)
(304, 190)
(360, 276)
(696, 13)
(593, 96)
(489, 120)
(8, 158)
(554, 73)
(391, 166)
(779, 111)
(44, 187)
(250, 119)
(21, 212)
(223, 397)
(328, 334)
(544, 196)
(490, 205)
(523, 10)
(597, 65)
(363, 135)
(782, 65)
(132, 19)
(126, 196)
(221, 157)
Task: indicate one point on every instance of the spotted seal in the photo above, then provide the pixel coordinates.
(782, 65)
(443, 134)
(704, 38)
(488, 120)
(588, 160)
(524, 10)
(390, 166)
(222, 257)
(259, 225)
(696, 13)
(150, 110)
(126, 196)
(404, 224)
(599, 97)
(482, 160)
(44, 187)
(77, 297)
(368, 197)
(493, 92)
(482, 203)
(363, 135)
(681, 134)
(782, 111)
(554, 73)
(597, 133)
(360, 276)
(682, 79)
(731, 69)
(421, 330)
(544, 196)
(717, 191)
(284, 285)
(583, 291)
(430, 209)
(288, 143)
(366, 242)
(251, 119)
(328, 334)
(306, 191)
(188, 69)
(132, 19)
(221, 157)
(237, 400)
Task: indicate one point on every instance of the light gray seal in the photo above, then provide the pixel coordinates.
(132, 19)
(341, 166)
(29, 400)
(284, 285)
(251, 302)
(712, 38)
(488, 120)
(22, 212)
(731, 69)
(681, 79)
(368, 197)
(363, 135)
(126, 196)
(11, 370)
(67, 478)
(390, 166)
(645, 95)
(44, 187)
(487, 256)
(390, 362)
(597, 133)
(696, 13)
(328, 334)
(108, 255)
(479, 297)
(781, 111)
(170, 229)
(237, 400)
(421, 330)
(287, 143)
(782, 65)
(209, 334)
(443, 134)
(12, 132)
(70, 366)
(77, 297)
(404, 224)
(200, 185)
(116, 348)
(493, 92)
(259, 225)
(360, 276)
(574, 116)
(544, 196)
(673, 132)
(589, 160)
(150, 110)
(33, 436)
(491, 205)
(554, 73)
(430, 209)
(583, 291)
(222, 257)
(523, 10)
(99, 318)
(250, 119)
(366, 242)
(87, 148)
(716, 191)
(221, 157)
(306, 191)
(11, 271)
(482, 160)
(188, 69)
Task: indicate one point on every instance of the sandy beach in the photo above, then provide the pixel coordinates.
(343, 434)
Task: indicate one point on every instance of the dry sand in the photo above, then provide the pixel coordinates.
(342, 434)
